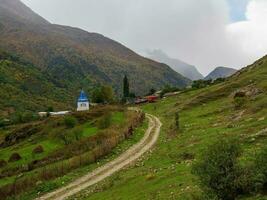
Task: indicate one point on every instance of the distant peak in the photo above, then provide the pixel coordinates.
(220, 72)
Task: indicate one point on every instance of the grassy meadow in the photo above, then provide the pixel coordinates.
(67, 144)
(206, 115)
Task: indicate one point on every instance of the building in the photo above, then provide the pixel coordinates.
(83, 102)
(47, 114)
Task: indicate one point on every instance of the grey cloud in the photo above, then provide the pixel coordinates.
(191, 30)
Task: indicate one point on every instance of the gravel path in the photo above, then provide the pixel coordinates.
(99, 174)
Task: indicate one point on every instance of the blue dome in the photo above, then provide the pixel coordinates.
(83, 97)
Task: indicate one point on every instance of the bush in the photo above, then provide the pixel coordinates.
(70, 122)
(105, 121)
(2, 163)
(103, 94)
(14, 157)
(261, 166)
(76, 133)
(201, 84)
(70, 136)
(23, 117)
(177, 120)
(239, 102)
(220, 174)
(38, 150)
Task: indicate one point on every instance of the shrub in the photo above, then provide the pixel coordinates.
(261, 166)
(70, 122)
(105, 121)
(77, 133)
(150, 177)
(23, 117)
(201, 84)
(2, 163)
(240, 94)
(177, 121)
(220, 174)
(38, 150)
(14, 157)
(239, 102)
(103, 94)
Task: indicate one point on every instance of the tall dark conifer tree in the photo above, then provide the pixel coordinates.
(126, 86)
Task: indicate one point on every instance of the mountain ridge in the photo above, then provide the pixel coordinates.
(220, 72)
(177, 65)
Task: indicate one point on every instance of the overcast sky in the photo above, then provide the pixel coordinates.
(205, 33)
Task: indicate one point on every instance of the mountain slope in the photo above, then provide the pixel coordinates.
(26, 88)
(75, 58)
(205, 115)
(181, 67)
(220, 72)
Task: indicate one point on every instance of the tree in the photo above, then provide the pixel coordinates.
(151, 91)
(220, 173)
(261, 166)
(97, 96)
(103, 94)
(126, 87)
(50, 109)
(107, 94)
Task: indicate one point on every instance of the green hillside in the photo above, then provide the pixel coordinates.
(26, 88)
(75, 58)
(206, 115)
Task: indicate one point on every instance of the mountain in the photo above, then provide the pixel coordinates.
(74, 58)
(181, 67)
(220, 72)
(24, 87)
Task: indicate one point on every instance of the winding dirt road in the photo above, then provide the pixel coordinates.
(99, 174)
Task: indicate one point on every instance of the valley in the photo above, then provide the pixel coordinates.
(206, 116)
(87, 117)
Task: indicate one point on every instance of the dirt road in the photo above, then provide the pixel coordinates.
(110, 168)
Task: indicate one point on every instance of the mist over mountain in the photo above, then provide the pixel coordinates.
(179, 66)
(220, 72)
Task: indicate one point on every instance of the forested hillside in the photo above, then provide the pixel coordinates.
(25, 88)
(74, 58)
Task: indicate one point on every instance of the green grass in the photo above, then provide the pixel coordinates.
(89, 130)
(49, 144)
(206, 115)
(59, 182)
(118, 117)
(25, 151)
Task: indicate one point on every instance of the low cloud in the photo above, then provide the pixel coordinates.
(250, 35)
(196, 31)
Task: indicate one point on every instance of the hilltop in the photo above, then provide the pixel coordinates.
(75, 58)
(220, 72)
